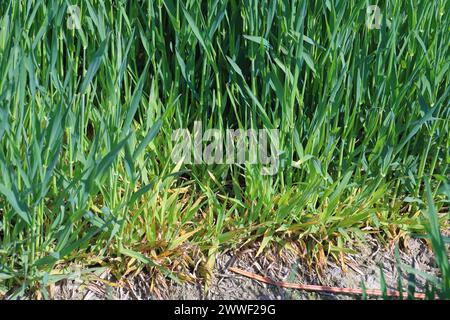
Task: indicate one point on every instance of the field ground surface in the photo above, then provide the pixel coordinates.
(363, 266)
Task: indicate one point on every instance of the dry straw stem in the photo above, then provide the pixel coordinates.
(327, 289)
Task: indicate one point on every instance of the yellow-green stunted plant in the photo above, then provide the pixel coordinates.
(436, 286)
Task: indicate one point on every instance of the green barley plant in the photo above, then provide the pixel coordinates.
(90, 96)
(436, 287)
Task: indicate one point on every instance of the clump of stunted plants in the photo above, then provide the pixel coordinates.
(436, 287)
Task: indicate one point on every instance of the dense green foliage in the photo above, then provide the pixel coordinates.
(86, 118)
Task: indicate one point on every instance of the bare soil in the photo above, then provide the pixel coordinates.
(361, 267)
